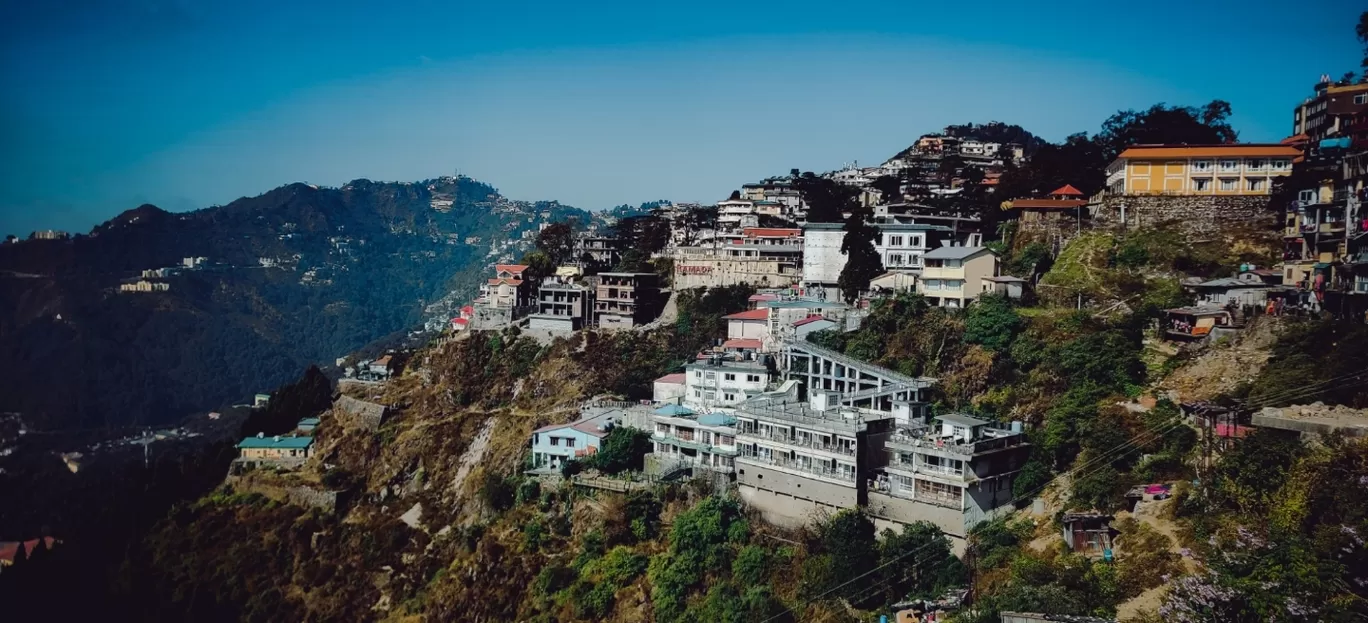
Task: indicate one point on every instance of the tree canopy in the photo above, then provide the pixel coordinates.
(827, 199)
(862, 259)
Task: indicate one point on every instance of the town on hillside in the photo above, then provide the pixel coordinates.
(781, 410)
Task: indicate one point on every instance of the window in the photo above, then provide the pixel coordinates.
(960, 431)
(895, 241)
(1201, 166)
(729, 397)
(1307, 196)
(1201, 183)
(1230, 165)
(752, 378)
(916, 261)
(710, 395)
(1281, 165)
(1361, 98)
(1257, 164)
(1256, 184)
(729, 377)
(569, 442)
(555, 441)
(697, 394)
(895, 259)
(916, 241)
(1230, 183)
(697, 374)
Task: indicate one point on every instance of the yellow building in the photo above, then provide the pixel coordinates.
(1200, 170)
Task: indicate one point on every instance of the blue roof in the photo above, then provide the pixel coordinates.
(717, 419)
(308, 420)
(286, 443)
(674, 410)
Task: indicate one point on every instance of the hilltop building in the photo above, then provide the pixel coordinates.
(1334, 110)
(1200, 170)
(953, 276)
(683, 439)
(763, 257)
(562, 305)
(280, 452)
(625, 300)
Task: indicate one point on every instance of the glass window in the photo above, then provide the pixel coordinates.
(1256, 184)
(1201, 183)
(1361, 98)
(569, 442)
(1306, 196)
(1199, 166)
(1281, 165)
(1257, 164)
(729, 397)
(1230, 165)
(555, 441)
(729, 377)
(895, 241)
(752, 378)
(1230, 184)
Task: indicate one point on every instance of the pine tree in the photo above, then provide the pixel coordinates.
(862, 259)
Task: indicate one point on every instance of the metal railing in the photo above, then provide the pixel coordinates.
(843, 475)
(791, 440)
(957, 446)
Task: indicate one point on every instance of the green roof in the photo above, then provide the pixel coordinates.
(285, 443)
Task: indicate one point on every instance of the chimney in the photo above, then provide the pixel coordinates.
(261, 435)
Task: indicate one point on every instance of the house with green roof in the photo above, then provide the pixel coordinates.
(277, 451)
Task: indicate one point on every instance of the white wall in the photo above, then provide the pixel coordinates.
(747, 329)
(666, 392)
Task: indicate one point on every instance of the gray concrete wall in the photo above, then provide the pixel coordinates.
(1197, 214)
(898, 510)
(783, 510)
(787, 484)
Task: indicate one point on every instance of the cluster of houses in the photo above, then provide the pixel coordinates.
(801, 429)
(565, 301)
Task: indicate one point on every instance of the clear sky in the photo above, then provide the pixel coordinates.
(108, 104)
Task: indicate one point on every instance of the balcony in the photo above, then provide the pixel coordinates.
(910, 442)
(942, 272)
(799, 442)
(845, 476)
(693, 444)
(906, 492)
(962, 475)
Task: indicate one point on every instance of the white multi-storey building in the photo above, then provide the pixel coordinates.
(721, 383)
(682, 439)
(900, 246)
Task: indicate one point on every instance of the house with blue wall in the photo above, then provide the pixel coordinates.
(553, 445)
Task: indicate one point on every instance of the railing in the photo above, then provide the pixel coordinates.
(923, 468)
(957, 446)
(792, 440)
(825, 472)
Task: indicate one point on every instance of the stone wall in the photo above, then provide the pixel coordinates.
(300, 495)
(359, 413)
(1195, 215)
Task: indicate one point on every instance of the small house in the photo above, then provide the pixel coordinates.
(1189, 323)
(261, 400)
(669, 388)
(1247, 288)
(277, 451)
(307, 425)
(751, 324)
(381, 366)
(1089, 534)
(555, 445)
(1005, 285)
(812, 324)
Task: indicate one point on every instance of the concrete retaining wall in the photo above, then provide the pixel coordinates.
(1196, 215)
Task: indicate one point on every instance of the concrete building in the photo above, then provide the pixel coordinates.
(786, 311)
(1200, 170)
(602, 251)
(681, 438)
(562, 306)
(1246, 288)
(277, 451)
(625, 300)
(761, 256)
(750, 324)
(812, 324)
(956, 472)
(669, 388)
(507, 289)
(953, 276)
(554, 445)
(901, 247)
(1005, 285)
(1334, 110)
(718, 382)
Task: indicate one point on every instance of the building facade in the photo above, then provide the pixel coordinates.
(681, 439)
(901, 247)
(562, 305)
(759, 256)
(1200, 170)
(722, 383)
(953, 276)
(625, 300)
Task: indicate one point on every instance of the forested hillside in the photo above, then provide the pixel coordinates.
(350, 265)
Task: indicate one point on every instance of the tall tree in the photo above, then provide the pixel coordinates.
(557, 241)
(827, 199)
(1362, 31)
(888, 186)
(647, 234)
(1162, 124)
(862, 259)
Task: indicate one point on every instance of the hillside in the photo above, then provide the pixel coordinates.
(291, 277)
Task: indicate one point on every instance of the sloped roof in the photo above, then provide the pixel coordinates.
(952, 253)
(742, 343)
(810, 320)
(677, 378)
(753, 314)
(512, 268)
(280, 443)
(961, 419)
(1046, 204)
(1067, 189)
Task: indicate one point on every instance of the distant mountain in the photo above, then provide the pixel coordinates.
(297, 275)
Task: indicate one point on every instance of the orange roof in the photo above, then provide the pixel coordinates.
(754, 314)
(1067, 189)
(1048, 204)
(742, 343)
(1294, 139)
(512, 268)
(772, 232)
(1210, 151)
(513, 282)
(677, 378)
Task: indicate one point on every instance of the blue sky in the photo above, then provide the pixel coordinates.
(105, 105)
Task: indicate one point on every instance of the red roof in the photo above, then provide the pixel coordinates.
(467, 310)
(512, 268)
(513, 282)
(1067, 189)
(1227, 430)
(460, 321)
(809, 320)
(771, 232)
(754, 314)
(1047, 204)
(743, 343)
(756, 298)
(676, 378)
(7, 551)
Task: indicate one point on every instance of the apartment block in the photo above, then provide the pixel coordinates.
(953, 276)
(1200, 170)
(682, 439)
(761, 256)
(719, 382)
(625, 300)
(562, 305)
(956, 472)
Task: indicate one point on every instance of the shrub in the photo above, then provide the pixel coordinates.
(528, 491)
(533, 534)
(751, 566)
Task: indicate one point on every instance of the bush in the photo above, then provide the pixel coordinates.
(552, 579)
(528, 491)
(497, 492)
(533, 534)
(623, 449)
(751, 566)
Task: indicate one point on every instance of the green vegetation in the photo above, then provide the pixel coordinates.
(622, 449)
(862, 259)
